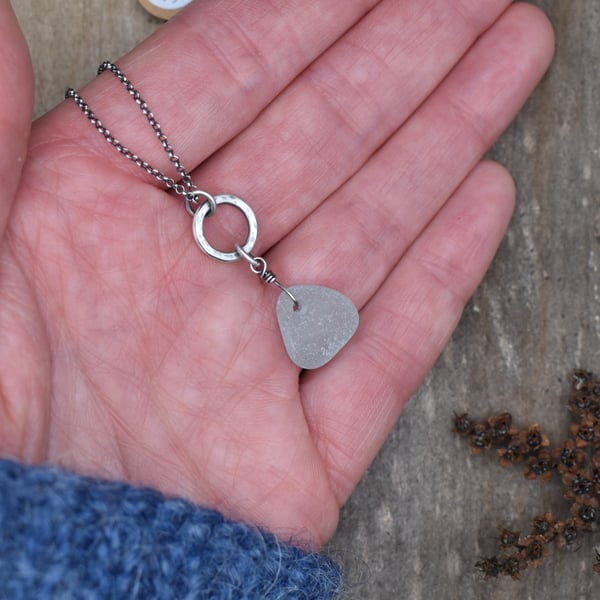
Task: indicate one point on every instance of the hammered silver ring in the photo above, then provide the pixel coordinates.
(198, 227)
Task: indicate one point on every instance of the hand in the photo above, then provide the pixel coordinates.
(357, 138)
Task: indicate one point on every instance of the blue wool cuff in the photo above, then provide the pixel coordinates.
(68, 536)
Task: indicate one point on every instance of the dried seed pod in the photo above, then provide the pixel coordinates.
(490, 567)
(568, 458)
(568, 535)
(463, 424)
(534, 550)
(513, 565)
(512, 454)
(480, 439)
(545, 526)
(586, 513)
(577, 485)
(587, 432)
(541, 465)
(534, 439)
(508, 538)
(581, 402)
(501, 426)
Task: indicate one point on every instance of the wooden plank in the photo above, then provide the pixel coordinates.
(427, 509)
(67, 41)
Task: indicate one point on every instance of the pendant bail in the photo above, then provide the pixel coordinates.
(258, 265)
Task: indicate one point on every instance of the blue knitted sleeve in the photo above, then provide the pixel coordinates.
(68, 536)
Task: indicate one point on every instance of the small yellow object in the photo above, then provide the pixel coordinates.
(164, 9)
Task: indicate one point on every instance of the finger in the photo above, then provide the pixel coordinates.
(353, 241)
(446, 136)
(16, 106)
(206, 74)
(324, 127)
(352, 405)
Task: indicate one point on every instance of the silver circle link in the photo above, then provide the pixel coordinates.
(198, 227)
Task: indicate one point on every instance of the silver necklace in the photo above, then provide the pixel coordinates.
(315, 321)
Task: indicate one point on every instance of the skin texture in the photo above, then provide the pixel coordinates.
(355, 130)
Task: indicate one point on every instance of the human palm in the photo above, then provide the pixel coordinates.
(355, 130)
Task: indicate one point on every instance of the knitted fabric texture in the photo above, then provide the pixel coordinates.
(67, 536)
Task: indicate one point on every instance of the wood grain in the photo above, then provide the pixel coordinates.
(427, 509)
(68, 41)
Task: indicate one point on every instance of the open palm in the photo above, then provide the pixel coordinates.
(355, 130)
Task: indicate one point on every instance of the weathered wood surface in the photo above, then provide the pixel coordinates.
(426, 509)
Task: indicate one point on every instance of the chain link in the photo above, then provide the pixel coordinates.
(186, 187)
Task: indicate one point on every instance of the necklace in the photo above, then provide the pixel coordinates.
(315, 321)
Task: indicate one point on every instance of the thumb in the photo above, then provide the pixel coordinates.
(16, 102)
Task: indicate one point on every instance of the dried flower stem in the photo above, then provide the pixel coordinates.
(576, 461)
